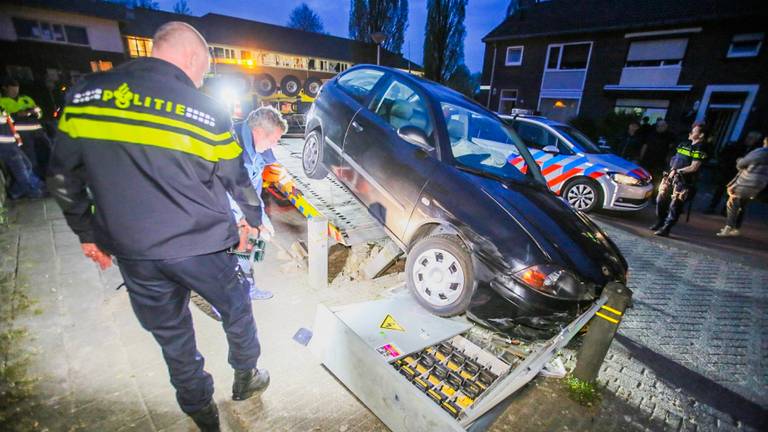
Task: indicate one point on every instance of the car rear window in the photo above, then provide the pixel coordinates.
(358, 83)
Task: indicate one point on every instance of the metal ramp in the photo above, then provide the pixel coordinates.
(349, 222)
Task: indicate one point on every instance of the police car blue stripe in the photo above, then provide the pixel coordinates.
(593, 168)
(575, 163)
(553, 160)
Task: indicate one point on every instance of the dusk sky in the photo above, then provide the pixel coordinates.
(482, 16)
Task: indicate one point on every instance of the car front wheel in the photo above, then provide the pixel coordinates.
(312, 156)
(583, 195)
(440, 274)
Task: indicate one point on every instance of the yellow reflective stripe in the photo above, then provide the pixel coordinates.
(607, 318)
(612, 310)
(687, 152)
(146, 117)
(146, 135)
(684, 151)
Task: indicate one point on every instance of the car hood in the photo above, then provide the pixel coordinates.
(565, 236)
(608, 162)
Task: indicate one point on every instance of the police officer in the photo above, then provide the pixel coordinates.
(25, 183)
(676, 185)
(159, 159)
(26, 117)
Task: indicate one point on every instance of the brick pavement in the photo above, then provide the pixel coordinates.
(691, 354)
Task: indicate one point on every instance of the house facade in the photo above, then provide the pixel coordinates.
(684, 61)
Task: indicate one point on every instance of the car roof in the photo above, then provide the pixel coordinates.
(433, 89)
(533, 119)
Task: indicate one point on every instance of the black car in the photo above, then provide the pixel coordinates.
(436, 169)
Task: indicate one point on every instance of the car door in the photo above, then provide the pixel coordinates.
(339, 105)
(389, 171)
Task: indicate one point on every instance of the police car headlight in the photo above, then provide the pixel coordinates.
(555, 281)
(624, 179)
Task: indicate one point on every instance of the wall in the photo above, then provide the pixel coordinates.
(103, 34)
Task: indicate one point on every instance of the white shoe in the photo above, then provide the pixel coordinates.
(728, 231)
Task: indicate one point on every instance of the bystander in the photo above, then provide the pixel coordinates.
(748, 183)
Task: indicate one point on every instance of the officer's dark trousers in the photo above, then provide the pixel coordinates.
(668, 210)
(37, 146)
(159, 292)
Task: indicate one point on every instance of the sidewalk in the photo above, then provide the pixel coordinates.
(691, 355)
(699, 232)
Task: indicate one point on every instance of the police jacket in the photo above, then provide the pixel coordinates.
(14, 107)
(685, 154)
(6, 131)
(158, 159)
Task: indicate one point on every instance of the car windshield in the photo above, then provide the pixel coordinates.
(579, 139)
(482, 142)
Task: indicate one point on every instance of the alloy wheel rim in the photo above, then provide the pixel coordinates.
(438, 277)
(581, 196)
(311, 153)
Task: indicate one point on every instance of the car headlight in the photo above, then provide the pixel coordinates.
(625, 179)
(555, 281)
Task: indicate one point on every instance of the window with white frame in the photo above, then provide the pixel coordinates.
(507, 101)
(514, 56)
(656, 53)
(745, 45)
(570, 56)
(50, 32)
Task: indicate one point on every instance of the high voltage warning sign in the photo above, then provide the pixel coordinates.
(389, 323)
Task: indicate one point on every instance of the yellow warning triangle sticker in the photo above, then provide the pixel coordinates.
(389, 323)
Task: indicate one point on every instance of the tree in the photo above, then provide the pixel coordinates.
(182, 7)
(390, 17)
(302, 17)
(463, 81)
(444, 38)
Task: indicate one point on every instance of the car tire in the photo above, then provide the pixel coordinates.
(264, 84)
(440, 275)
(312, 156)
(312, 86)
(290, 85)
(583, 194)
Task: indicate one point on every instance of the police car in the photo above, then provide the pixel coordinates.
(589, 177)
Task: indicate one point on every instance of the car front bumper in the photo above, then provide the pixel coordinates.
(626, 198)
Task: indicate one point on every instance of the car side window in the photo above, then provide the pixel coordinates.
(358, 83)
(402, 106)
(533, 136)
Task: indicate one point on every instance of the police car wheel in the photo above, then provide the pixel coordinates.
(583, 195)
(439, 274)
(312, 156)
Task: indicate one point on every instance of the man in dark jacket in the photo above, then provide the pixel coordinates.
(657, 145)
(726, 166)
(158, 158)
(748, 183)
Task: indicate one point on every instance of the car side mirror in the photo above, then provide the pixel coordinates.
(551, 149)
(415, 136)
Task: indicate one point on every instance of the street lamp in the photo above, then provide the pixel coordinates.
(378, 37)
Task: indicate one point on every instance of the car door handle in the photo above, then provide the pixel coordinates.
(357, 126)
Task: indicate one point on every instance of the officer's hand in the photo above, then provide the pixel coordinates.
(246, 231)
(266, 232)
(103, 259)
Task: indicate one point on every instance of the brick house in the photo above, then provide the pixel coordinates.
(682, 60)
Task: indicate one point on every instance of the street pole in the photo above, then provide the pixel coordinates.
(601, 331)
(378, 38)
(378, 54)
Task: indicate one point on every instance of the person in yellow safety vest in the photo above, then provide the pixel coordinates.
(25, 183)
(26, 116)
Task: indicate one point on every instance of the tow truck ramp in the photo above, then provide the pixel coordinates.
(419, 372)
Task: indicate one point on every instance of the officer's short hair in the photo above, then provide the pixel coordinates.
(168, 32)
(702, 128)
(267, 118)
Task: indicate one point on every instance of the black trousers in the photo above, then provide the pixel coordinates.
(159, 292)
(37, 146)
(735, 207)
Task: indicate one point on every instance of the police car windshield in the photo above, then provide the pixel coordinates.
(574, 136)
(483, 143)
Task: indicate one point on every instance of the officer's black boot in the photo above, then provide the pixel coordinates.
(248, 383)
(656, 226)
(207, 419)
(663, 231)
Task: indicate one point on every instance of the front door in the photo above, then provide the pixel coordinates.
(721, 120)
(389, 172)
